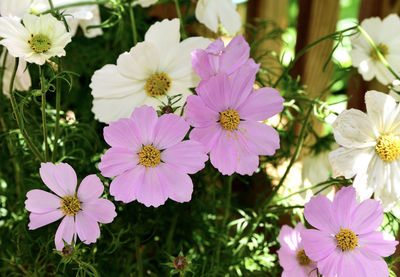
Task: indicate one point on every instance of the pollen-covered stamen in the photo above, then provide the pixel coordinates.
(346, 239)
(229, 120)
(70, 205)
(388, 148)
(383, 48)
(302, 258)
(158, 84)
(39, 43)
(149, 156)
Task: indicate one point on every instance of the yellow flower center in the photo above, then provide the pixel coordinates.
(158, 84)
(383, 48)
(39, 43)
(149, 156)
(302, 258)
(70, 205)
(388, 148)
(346, 239)
(229, 120)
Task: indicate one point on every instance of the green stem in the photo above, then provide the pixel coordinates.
(133, 24)
(44, 123)
(178, 11)
(3, 68)
(225, 218)
(305, 49)
(378, 53)
(77, 4)
(58, 105)
(138, 256)
(18, 116)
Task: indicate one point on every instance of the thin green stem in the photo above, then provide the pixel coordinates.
(44, 123)
(58, 107)
(305, 49)
(133, 24)
(225, 218)
(18, 116)
(139, 261)
(178, 11)
(378, 53)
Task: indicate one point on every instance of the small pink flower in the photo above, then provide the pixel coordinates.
(150, 159)
(220, 59)
(225, 115)
(292, 257)
(82, 209)
(346, 243)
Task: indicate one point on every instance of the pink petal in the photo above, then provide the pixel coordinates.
(260, 138)
(178, 186)
(169, 130)
(289, 238)
(328, 267)
(117, 160)
(237, 53)
(123, 133)
(376, 243)
(198, 114)
(90, 188)
(201, 64)
(242, 82)
(186, 157)
(87, 228)
(261, 104)
(367, 217)
(151, 192)
(39, 220)
(247, 160)
(300, 271)
(145, 119)
(317, 245)
(344, 205)
(40, 201)
(319, 213)
(208, 136)
(372, 264)
(124, 186)
(101, 210)
(350, 265)
(216, 92)
(65, 231)
(223, 156)
(60, 178)
(287, 259)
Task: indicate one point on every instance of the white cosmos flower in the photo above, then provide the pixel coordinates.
(213, 12)
(159, 66)
(384, 33)
(22, 81)
(40, 38)
(78, 16)
(14, 8)
(145, 3)
(370, 148)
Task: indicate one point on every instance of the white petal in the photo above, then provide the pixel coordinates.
(229, 17)
(388, 187)
(381, 109)
(207, 13)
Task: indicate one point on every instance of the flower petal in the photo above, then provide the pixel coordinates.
(377, 243)
(198, 114)
(344, 204)
(101, 210)
(90, 188)
(289, 238)
(215, 92)
(329, 266)
(39, 220)
(223, 156)
(65, 232)
(178, 186)
(151, 192)
(229, 17)
(348, 162)
(86, 227)
(124, 186)
(373, 264)
(123, 133)
(60, 178)
(185, 157)
(381, 108)
(208, 136)
(317, 244)
(40, 201)
(169, 130)
(145, 119)
(319, 213)
(367, 217)
(117, 160)
(287, 259)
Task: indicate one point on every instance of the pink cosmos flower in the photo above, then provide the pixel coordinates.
(225, 116)
(150, 159)
(346, 243)
(292, 257)
(82, 209)
(220, 59)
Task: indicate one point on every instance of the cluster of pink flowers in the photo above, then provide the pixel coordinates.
(149, 158)
(345, 242)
